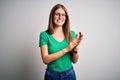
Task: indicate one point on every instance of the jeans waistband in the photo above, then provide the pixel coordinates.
(60, 73)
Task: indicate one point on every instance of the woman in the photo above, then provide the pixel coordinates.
(59, 46)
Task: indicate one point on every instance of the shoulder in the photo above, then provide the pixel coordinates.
(73, 34)
(44, 33)
(43, 38)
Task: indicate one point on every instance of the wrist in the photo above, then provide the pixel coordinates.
(75, 50)
(64, 51)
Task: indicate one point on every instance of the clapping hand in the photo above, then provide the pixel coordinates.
(74, 43)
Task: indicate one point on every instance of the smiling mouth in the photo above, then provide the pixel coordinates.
(60, 21)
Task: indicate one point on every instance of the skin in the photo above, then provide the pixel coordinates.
(59, 20)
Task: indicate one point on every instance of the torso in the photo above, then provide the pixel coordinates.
(59, 36)
(56, 43)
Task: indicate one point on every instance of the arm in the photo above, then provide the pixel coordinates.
(47, 58)
(75, 55)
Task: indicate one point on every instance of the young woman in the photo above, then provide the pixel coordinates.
(59, 46)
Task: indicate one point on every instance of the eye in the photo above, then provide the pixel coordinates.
(63, 14)
(58, 14)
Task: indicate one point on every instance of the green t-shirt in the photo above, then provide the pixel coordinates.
(62, 63)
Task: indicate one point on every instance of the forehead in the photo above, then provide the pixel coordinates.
(59, 10)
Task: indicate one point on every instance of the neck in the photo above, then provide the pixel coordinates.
(59, 29)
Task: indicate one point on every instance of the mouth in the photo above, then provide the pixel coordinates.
(60, 21)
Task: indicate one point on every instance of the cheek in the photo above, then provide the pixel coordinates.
(64, 19)
(54, 19)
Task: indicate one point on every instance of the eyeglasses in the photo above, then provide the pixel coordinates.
(58, 15)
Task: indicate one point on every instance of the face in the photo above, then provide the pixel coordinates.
(59, 17)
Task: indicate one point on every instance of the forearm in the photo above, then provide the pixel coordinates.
(51, 57)
(75, 55)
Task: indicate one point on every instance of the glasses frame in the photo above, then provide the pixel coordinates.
(59, 14)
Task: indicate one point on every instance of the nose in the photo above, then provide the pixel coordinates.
(60, 16)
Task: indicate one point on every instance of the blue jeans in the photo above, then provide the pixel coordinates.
(65, 75)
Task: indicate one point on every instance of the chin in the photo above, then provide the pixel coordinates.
(61, 24)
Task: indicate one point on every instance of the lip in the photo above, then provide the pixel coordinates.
(60, 21)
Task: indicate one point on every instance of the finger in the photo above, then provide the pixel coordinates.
(81, 35)
(77, 36)
(74, 43)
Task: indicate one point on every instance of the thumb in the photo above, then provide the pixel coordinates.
(77, 36)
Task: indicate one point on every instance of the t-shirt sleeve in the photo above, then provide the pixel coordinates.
(73, 34)
(42, 39)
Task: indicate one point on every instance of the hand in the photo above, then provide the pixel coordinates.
(79, 38)
(73, 44)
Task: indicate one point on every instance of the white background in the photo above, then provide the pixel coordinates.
(22, 21)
